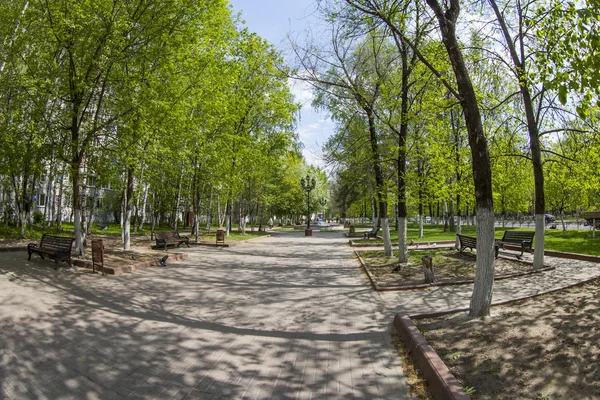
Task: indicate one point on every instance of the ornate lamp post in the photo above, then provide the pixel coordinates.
(323, 201)
(308, 184)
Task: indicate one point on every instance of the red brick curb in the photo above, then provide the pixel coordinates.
(441, 382)
(380, 288)
(120, 270)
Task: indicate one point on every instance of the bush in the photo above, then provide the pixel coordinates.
(38, 218)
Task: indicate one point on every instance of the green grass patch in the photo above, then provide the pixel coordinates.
(234, 236)
(571, 241)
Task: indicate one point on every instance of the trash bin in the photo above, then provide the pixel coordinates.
(98, 255)
(220, 236)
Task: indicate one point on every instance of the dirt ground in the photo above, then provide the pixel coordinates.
(449, 265)
(542, 348)
(114, 255)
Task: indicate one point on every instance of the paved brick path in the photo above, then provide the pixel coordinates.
(281, 318)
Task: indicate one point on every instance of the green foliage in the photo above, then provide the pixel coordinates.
(568, 59)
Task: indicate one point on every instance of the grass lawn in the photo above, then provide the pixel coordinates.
(35, 232)
(572, 241)
(234, 236)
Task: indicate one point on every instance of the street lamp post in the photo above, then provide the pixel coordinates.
(308, 184)
(323, 201)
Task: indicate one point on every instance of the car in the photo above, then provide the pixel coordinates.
(549, 218)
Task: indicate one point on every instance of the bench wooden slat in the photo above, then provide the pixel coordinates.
(470, 242)
(57, 246)
(372, 233)
(165, 238)
(522, 238)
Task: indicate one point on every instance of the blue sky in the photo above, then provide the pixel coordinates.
(273, 20)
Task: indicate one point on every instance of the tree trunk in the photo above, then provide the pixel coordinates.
(209, 210)
(227, 217)
(143, 207)
(153, 216)
(59, 201)
(178, 198)
(420, 210)
(428, 270)
(91, 214)
(380, 184)
(128, 204)
(532, 128)
(482, 177)
(242, 219)
(79, 234)
(122, 216)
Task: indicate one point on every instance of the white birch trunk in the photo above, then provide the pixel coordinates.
(481, 299)
(127, 230)
(538, 252)
(78, 232)
(421, 227)
(402, 244)
(143, 207)
(122, 219)
(458, 232)
(387, 240)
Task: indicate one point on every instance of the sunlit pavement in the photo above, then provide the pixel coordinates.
(282, 318)
(286, 317)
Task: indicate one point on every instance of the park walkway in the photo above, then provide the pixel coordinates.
(286, 317)
(281, 318)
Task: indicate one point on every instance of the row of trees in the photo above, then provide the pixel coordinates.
(485, 116)
(171, 104)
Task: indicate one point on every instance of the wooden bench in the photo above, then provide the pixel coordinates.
(371, 234)
(521, 238)
(58, 247)
(469, 242)
(167, 238)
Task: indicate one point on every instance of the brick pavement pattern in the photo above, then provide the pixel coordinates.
(286, 317)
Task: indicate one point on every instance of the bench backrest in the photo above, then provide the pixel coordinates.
(56, 242)
(165, 235)
(518, 236)
(467, 241)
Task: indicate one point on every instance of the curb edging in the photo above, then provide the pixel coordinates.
(123, 269)
(439, 378)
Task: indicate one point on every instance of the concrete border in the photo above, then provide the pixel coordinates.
(440, 380)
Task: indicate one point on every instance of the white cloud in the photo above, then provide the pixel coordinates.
(302, 92)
